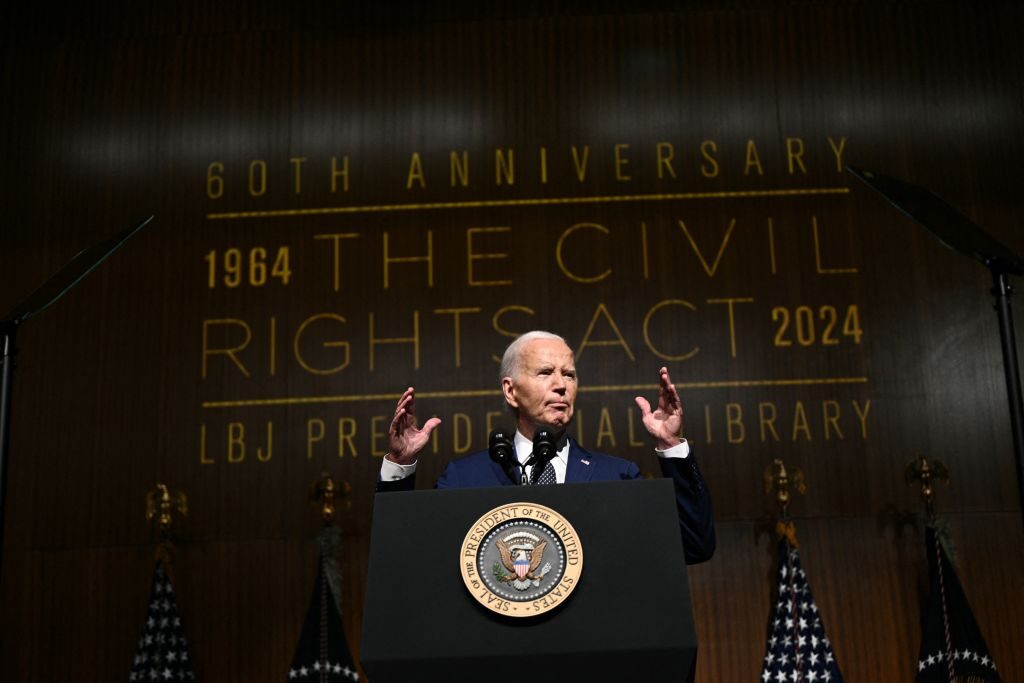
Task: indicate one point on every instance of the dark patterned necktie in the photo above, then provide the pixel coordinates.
(547, 475)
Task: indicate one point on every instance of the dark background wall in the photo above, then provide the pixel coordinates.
(663, 185)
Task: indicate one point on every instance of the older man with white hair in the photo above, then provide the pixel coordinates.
(539, 382)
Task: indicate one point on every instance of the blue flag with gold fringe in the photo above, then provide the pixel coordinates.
(952, 647)
(323, 654)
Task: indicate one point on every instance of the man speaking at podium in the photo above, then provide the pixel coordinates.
(538, 380)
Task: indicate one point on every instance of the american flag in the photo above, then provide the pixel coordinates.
(162, 653)
(797, 648)
(952, 648)
(322, 654)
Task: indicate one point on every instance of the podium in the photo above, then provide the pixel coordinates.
(628, 617)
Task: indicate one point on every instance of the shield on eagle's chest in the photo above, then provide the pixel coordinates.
(522, 565)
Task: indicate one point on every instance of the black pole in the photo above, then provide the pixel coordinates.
(59, 284)
(959, 233)
(1002, 290)
(6, 384)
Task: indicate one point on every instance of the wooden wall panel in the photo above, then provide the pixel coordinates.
(714, 139)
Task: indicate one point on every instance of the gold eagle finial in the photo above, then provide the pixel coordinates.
(777, 477)
(160, 503)
(325, 491)
(926, 471)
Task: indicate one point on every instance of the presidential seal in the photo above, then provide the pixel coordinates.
(521, 560)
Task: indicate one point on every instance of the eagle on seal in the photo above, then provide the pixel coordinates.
(521, 562)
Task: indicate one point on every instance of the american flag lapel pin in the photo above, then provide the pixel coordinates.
(584, 461)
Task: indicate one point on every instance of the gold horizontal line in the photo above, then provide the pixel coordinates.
(538, 201)
(477, 393)
(724, 384)
(300, 400)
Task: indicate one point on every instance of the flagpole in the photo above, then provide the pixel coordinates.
(7, 334)
(1002, 290)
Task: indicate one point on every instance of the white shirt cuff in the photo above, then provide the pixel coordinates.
(680, 450)
(392, 471)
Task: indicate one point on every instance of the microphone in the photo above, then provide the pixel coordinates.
(502, 451)
(544, 448)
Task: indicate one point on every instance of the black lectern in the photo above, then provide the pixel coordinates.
(628, 618)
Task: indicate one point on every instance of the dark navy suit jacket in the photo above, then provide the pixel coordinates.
(693, 502)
